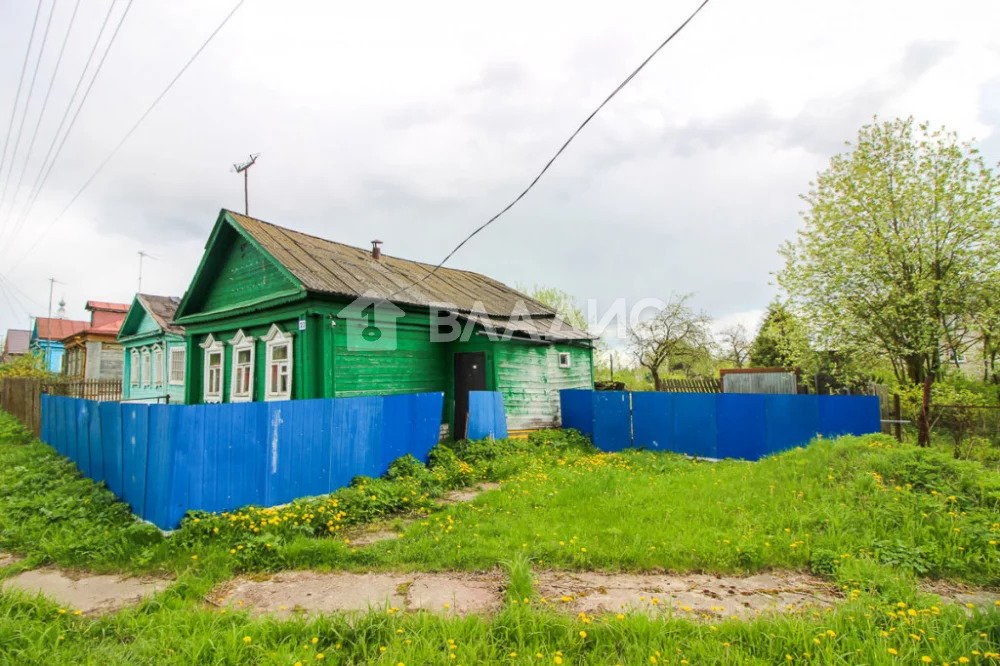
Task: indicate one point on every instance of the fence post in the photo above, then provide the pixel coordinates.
(898, 416)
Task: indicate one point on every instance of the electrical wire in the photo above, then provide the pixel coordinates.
(554, 157)
(128, 134)
(27, 104)
(41, 113)
(20, 83)
(76, 114)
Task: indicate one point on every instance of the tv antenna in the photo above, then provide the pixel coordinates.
(143, 255)
(244, 168)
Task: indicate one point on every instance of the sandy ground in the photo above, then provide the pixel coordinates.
(962, 594)
(468, 494)
(694, 595)
(315, 592)
(89, 593)
(6, 559)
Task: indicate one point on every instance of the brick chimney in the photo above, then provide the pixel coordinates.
(376, 250)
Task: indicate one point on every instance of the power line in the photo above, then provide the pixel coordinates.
(27, 104)
(39, 183)
(20, 82)
(128, 134)
(558, 152)
(41, 113)
(76, 114)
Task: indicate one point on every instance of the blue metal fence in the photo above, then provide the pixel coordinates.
(486, 415)
(164, 460)
(719, 425)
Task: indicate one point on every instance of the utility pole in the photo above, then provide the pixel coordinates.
(244, 168)
(48, 343)
(141, 255)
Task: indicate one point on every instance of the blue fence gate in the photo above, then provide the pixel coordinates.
(720, 425)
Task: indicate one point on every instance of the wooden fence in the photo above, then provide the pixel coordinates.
(21, 397)
(691, 385)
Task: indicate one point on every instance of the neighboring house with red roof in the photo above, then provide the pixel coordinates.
(47, 337)
(94, 352)
(16, 343)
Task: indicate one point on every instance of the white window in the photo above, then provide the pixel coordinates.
(241, 388)
(279, 364)
(145, 367)
(157, 366)
(957, 356)
(133, 369)
(564, 360)
(176, 373)
(212, 380)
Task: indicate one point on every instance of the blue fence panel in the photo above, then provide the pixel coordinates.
(612, 420)
(303, 448)
(46, 412)
(791, 420)
(135, 444)
(411, 425)
(111, 446)
(159, 458)
(69, 428)
(96, 452)
(486, 415)
(695, 426)
(848, 415)
(576, 407)
(742, 431)
(652, 420)
(83, 408)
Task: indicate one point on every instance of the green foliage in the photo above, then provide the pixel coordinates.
(30, 365)
(675, 338)
(900, 242)
(560, 301)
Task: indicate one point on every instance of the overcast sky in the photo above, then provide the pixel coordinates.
(415, 122)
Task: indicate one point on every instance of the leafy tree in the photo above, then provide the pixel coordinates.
(676, 334)
(900, 235)
(734, 343)
(778, 340)
(31, 365)
(560, 301)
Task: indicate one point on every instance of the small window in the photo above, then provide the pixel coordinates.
(177, 358)
(133, 369)
(144, 372)
(241, 389)
(279, 364)
(564, 360)
(957, 356)
(212, 377)
(157, 366)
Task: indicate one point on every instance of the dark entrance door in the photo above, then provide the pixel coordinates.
(470, 375)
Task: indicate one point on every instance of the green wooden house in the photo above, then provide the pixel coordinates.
(155, 351)
(275, 314)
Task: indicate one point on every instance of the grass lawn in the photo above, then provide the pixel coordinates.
(866, 513)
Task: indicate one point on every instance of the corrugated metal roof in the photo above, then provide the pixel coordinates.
(536, 328)
(334, 268)
(57, 329)
(107, 307)
(162, 309)
(17, 341)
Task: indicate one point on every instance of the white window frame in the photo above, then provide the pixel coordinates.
(172, 354)
(145, 368)
(212, 346)
(242, 342)
(156, 369)
(133, 368)
(276, 337)
(957, 356)
(567, 356)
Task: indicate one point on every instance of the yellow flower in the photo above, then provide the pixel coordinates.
(247, 639)
(319, 656)
(315, 640)
(620, 616)
(558, 659)
(926, 659)
(893, 651)
(583, 634)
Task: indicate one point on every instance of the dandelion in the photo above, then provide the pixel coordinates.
(583, 634)
(893, 651)
(926, 659)
(247, 639)
(316, 640)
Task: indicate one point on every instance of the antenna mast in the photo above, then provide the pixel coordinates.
(244, 168)
(142, 255)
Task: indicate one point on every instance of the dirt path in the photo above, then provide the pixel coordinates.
(88, 593)
(6, 559)
(693, 595)
(468, 494)
(314, 592)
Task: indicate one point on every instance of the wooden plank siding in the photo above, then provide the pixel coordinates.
(529, 378)
(245, 274)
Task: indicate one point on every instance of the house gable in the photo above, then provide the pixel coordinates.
(235, 275)
(138, 322)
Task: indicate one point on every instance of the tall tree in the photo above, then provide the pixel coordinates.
(778, 339)
(733, 343)
(675, 334)
(900, 234)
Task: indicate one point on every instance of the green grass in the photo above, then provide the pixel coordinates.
(871, 515)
